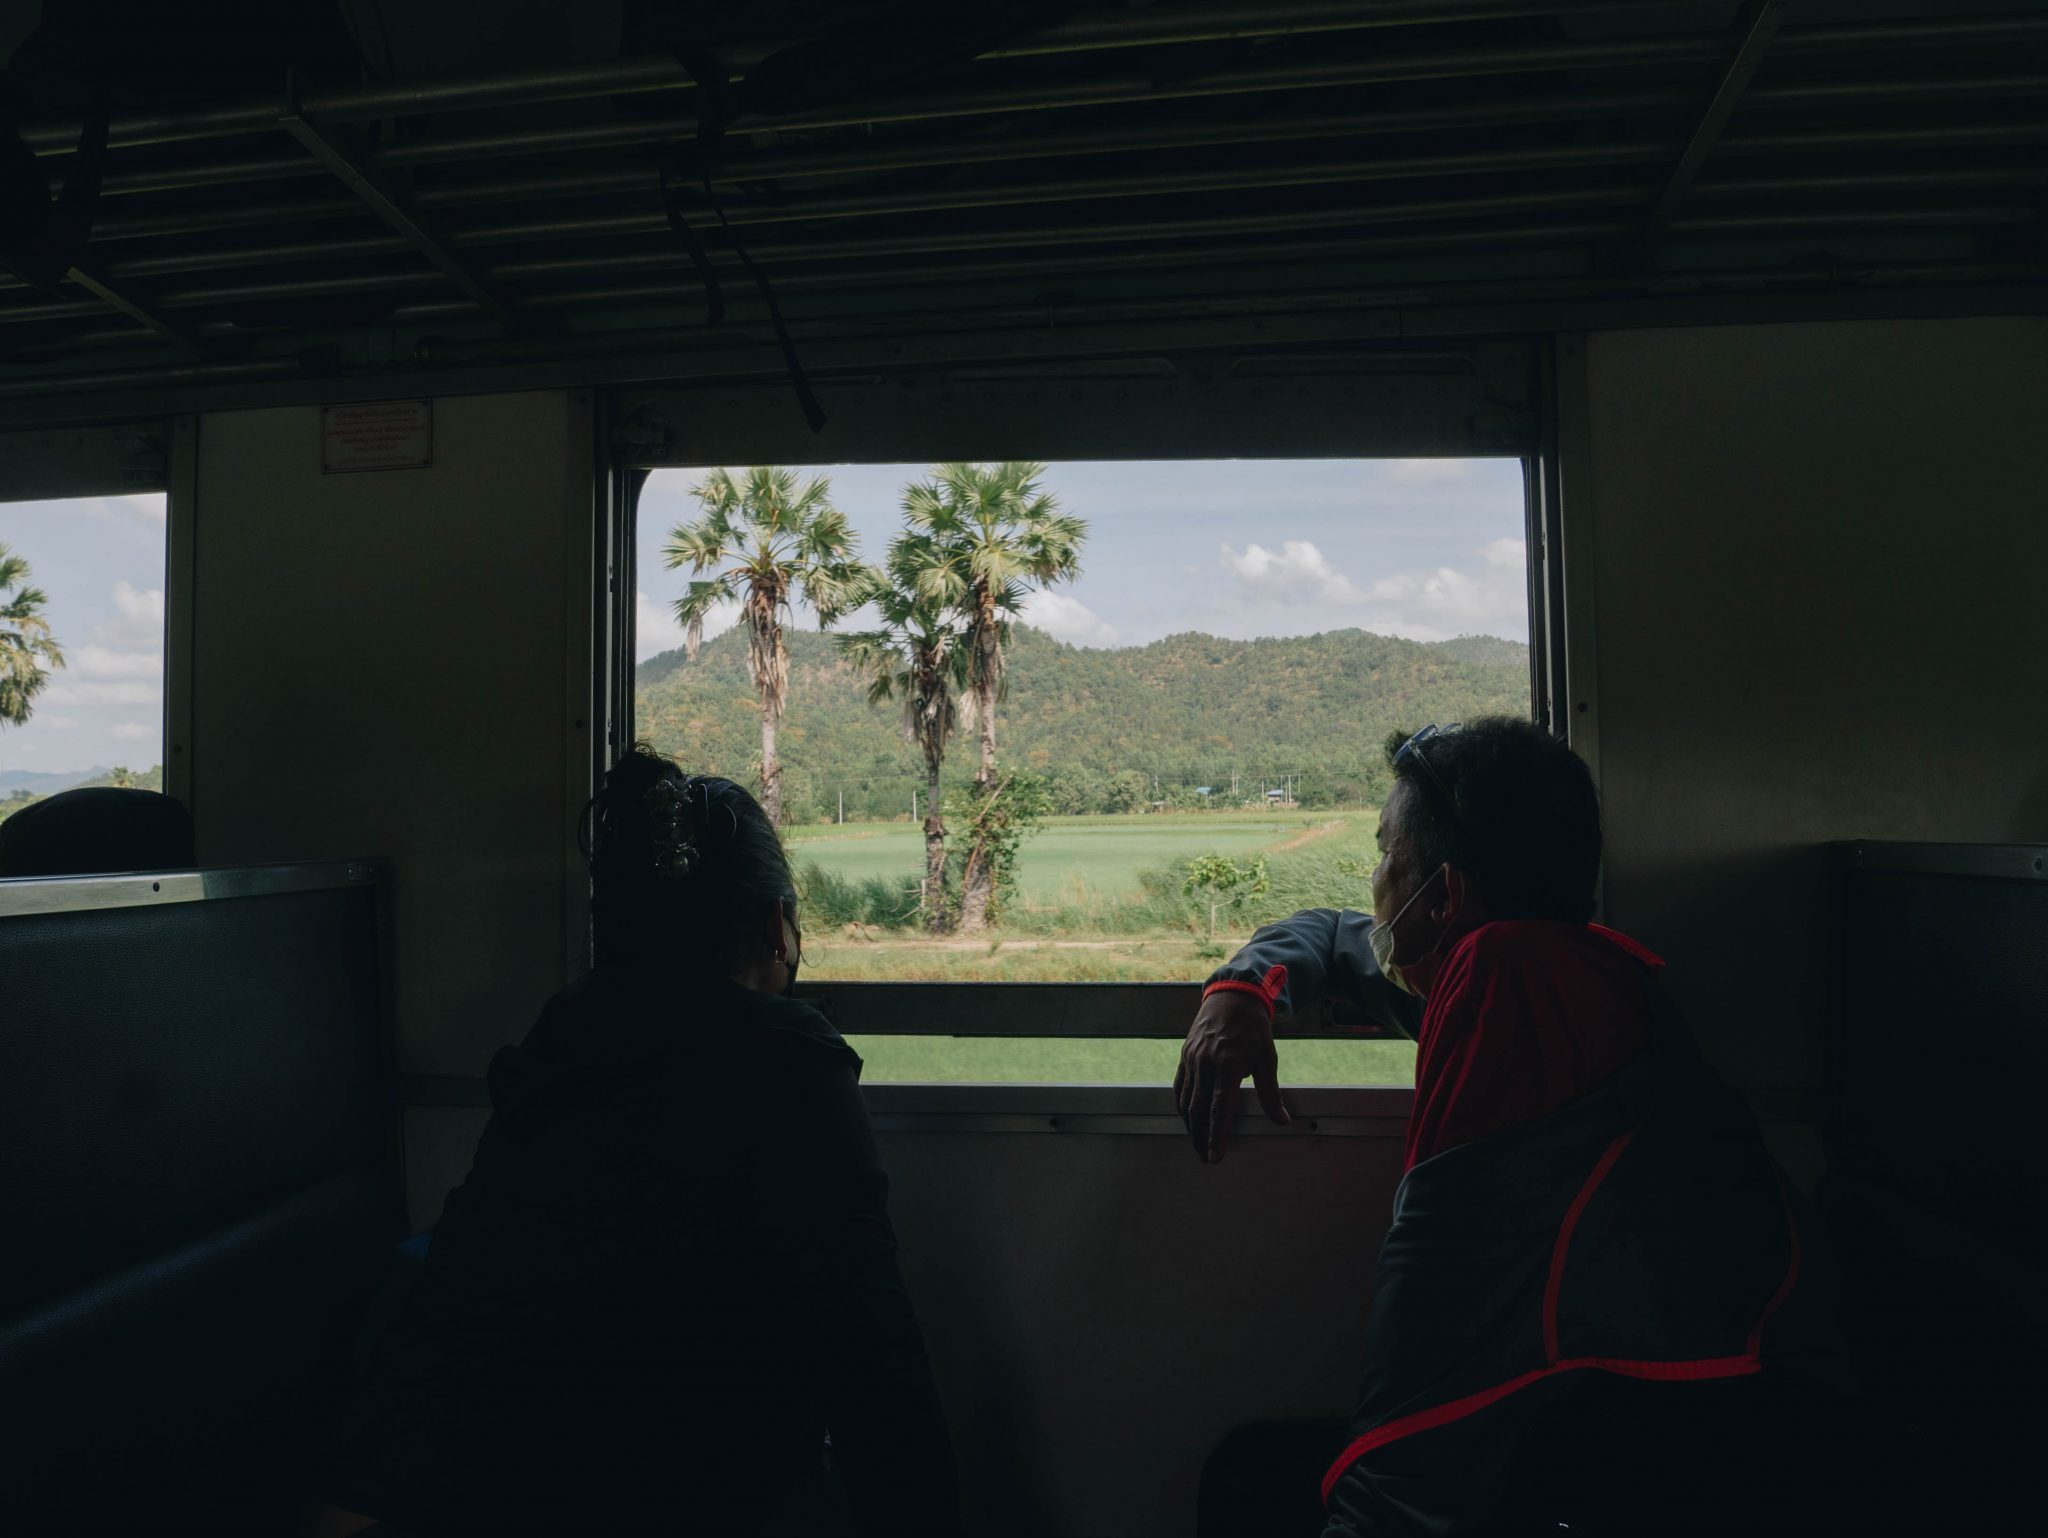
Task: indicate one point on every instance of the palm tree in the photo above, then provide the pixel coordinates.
(919, 655)
(994, 535)
(775, 540)
(28, 651)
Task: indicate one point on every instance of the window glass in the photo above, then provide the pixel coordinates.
(1152, 699)
(81, 645)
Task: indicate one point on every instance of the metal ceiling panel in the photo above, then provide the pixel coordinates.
(1199, 154)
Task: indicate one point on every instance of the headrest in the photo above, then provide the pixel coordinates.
(96, 831)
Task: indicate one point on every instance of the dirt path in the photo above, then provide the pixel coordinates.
(1307, 836)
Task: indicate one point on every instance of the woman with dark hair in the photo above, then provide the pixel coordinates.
(666, 1298)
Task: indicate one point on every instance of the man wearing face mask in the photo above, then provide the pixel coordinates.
(1589, 1308)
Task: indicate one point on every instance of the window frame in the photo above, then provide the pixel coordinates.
(1490, 399)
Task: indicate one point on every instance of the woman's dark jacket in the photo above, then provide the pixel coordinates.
(668, 1278)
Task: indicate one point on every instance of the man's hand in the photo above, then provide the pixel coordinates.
(1232, 1036)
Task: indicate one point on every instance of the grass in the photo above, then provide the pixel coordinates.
(1099, 900)
(1069, 857)
(1007, 957)
(966, 1060)
(1095, 877)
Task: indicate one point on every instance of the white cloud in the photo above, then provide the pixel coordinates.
(140, 621)
(151, 505)
(96, 661)
(132, 731)
(1414, 470)
(52, 723)
(1067, 619)
(1436, 605)
(655, 629)
(1510, 553)
(69, 691)
(1296, 571)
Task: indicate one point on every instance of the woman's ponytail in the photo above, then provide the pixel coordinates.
(683, 869)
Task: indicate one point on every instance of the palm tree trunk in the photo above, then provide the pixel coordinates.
(985, 709)
(771, 765)
(977, 884)
(771, 672)
(934, 855)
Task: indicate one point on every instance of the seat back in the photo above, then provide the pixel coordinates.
(1936, 1175)
(198, 1185)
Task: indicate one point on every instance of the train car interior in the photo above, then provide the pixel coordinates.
(389, 394)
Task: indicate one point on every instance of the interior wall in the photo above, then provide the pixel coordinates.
(381, 666)
(1818, 555)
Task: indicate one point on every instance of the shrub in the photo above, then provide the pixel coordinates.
(832, 902)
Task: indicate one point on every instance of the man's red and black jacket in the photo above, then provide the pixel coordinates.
(1641, 1230)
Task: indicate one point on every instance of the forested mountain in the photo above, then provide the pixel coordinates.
(13, 781)
(1114, 729)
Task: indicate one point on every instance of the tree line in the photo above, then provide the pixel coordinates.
(1111, 729)
(976, 540)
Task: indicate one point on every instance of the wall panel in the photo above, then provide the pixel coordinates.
(380, 666)
(1819, 585)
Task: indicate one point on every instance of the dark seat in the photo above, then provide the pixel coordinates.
(199, 1194)
(1265, 1480)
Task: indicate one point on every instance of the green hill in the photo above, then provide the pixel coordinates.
(1114, 728)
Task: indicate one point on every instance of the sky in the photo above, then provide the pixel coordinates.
(1422, 548)
(101, 562)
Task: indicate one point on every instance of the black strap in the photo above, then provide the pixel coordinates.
(717, 107)
(799, 381)
(693, 244)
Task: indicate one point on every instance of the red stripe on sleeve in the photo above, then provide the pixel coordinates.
(1564, 1240)
(1472, 1404)
(1269, 988)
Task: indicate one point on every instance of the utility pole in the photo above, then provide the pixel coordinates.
(842, 808)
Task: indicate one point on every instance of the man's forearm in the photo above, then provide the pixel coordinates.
(1318, 954)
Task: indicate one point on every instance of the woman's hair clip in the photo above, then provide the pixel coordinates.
(675, 818)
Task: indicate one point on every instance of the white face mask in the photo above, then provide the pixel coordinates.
(1381, 938)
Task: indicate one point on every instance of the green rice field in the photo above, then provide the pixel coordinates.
(1070, 855)
(1098, 900)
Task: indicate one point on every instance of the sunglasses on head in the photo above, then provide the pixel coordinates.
(1413, 748)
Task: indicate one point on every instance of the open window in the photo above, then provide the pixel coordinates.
(1206, 641)
(84, 558)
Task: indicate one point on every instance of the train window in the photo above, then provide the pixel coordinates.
(1082, 723)
(81, 645)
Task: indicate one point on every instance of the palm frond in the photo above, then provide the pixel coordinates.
(697, 545)
(28, 650)
(695, 605)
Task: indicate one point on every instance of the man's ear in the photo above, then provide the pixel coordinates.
(1458, 899)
